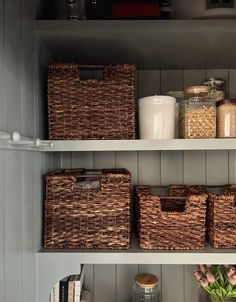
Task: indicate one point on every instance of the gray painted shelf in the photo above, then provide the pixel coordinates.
(150, 44)
(140, 145)
(135, 255)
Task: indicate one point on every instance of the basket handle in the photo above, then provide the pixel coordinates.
(163, 198)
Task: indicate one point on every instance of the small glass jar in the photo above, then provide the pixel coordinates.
(226, 118)
(145, 288)
(216, 87)
(197, 117)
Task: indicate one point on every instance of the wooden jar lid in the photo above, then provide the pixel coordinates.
(145, 280)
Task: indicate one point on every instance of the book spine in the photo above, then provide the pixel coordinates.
(71, 291)
(56, 292)
(79, 285)
(63, 291)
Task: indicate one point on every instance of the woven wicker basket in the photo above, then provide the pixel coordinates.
(87, 218)
(91, 109)
(170, 223)
(222, 218)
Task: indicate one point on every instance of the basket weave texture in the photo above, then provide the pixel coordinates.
(87, 218)
(91, 109)
(169, 224)
(222, 218)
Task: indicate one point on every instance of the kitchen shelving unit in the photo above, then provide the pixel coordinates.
(169, 55)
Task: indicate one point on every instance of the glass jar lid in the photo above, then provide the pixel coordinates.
(146, 280)
(227, 101)
(216, 83)
(196, 90)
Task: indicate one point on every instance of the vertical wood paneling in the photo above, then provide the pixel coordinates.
(194, 77)
(12, 61)
(82, 160)
(190, 284)
(29, 257)
(104, 160)
(105, 283)
(27, 61)
(13, 227)
(2, 68)
(148, 82)
(217, 167)
(66, 160)
(89, 279)
(125, 279)
(149, 166)
(128, 160)
(13, 185)
(171, 80)
(2, 158)
(2, 227)
(173, 283)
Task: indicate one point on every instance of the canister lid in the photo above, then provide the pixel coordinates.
(146, 280)
(159, 99)
(226, 101)
(196, 89)
(215, 82)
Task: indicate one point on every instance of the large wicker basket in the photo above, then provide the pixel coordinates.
(170, 223)
(91, 109)
(86, 218)
(222, 218)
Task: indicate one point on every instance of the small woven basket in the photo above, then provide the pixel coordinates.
(170, 223)
(91, 109)
(222, 218)
(87, 218)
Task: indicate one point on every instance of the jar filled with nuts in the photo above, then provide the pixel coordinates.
(226, 118)
(216, 87)
(197, 117)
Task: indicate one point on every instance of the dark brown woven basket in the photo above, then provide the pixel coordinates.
(170, 223)
(222, 218)
(87, 218)
(91, 109)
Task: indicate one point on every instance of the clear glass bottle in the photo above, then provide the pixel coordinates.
(145, 288)
(226, 118)
(216, 87)
(197, 118)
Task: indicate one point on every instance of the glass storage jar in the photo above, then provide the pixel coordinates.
(145, 288)
(197, 117)
(216, 87)
(226, 118)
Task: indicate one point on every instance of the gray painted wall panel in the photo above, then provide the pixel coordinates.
(12, 61)
(105, 283)
(2, 227)
(13, 228)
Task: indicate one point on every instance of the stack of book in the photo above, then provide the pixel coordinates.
(68, 289)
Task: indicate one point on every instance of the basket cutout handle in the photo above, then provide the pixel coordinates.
(91, 180)
(90, 72)
(167, 205)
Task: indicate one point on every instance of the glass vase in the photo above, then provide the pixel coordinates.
(203, 296)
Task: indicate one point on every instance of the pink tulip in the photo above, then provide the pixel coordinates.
(232, 280)
(202, 268)
(198, 275)
(231, 272)
(204, 282)
(210, 277)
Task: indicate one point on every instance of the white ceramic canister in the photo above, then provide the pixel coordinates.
(157, 117)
